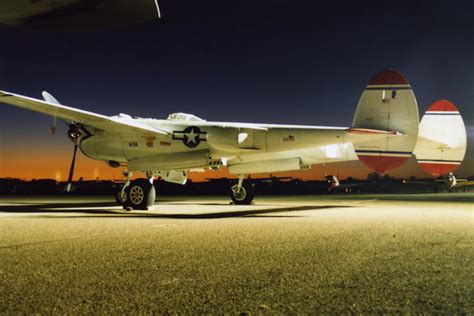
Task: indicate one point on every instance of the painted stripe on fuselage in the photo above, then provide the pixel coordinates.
(388, 88)
(442, 113)
(380, 152)
(440, 161)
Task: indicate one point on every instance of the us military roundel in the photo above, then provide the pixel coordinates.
(191, 136)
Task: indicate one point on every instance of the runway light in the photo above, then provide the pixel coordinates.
(57, 176)
(96, 173)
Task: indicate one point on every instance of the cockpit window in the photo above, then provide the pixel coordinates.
(184, 117)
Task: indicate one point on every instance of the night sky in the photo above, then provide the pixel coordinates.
(298, 62)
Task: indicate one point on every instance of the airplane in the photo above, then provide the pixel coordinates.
(61, 15)
(384, 134)
(440, 148)
(447, 183)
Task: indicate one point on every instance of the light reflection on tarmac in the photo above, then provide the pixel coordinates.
(283, 255)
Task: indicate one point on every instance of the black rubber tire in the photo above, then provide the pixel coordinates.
(141, 194)
(245, 197)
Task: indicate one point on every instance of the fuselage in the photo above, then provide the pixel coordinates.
(201, 144)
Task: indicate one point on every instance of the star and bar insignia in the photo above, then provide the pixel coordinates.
(191, 136)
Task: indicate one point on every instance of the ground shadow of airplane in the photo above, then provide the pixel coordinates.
(95, 209)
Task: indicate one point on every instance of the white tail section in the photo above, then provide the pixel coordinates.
(387, 104)
(441, 144)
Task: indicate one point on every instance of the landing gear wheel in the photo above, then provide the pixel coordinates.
(141, 194)
(121, 197)
(244, 196)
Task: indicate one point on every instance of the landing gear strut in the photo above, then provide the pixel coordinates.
(139, 194)
(122, 195)
(242, 193)
(450, 182)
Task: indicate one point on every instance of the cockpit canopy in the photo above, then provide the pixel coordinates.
(184, 117)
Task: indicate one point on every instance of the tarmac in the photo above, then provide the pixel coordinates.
(328, 254)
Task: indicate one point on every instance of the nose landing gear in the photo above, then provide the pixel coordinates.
(122, 195)
(243, 192)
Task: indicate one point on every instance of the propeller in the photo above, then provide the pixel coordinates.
(74, 135)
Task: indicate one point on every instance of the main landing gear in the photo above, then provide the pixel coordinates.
(243, 192)
(138, 194)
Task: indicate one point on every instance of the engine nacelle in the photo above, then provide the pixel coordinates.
(103, 148)
(224, 139)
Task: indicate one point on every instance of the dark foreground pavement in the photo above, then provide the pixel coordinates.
(285, 255)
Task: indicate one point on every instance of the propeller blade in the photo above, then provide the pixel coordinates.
(71, 169)
(53, 127)
(73, 134)
(158, 9)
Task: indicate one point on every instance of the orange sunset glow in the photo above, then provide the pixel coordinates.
(43, 156)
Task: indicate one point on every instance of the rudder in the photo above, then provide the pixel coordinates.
(442, 140)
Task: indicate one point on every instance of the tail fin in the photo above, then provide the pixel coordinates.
(441, 144)
(388, 104)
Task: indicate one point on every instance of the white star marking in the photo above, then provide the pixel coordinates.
(191, 137)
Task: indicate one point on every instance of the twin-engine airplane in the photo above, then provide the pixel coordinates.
(384, 134)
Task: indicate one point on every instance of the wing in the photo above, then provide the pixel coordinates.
(115, 125)
(278, 137)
